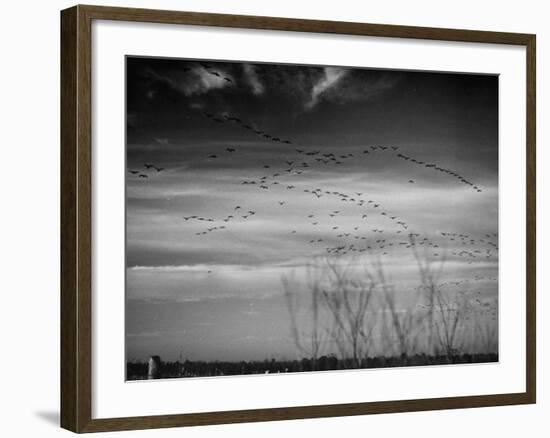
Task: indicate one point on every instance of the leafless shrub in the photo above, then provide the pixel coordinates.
(399, 325)
(348, 302)
(311, 340)
(485, 335)
(449, 320)
(354, 313)
(338, 306)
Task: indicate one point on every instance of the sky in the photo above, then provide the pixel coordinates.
(241, 176)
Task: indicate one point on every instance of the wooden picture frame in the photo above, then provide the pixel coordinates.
(76, 218)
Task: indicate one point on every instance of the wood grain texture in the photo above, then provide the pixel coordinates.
(300, 25)
(69, 330)
(76, 219)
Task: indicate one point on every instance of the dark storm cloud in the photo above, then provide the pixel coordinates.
(301, 87)
(421, 109)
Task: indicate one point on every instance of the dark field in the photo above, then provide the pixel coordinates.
(169, 370)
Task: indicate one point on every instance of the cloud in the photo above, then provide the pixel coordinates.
(304, 86)
(253, 79)
(193, 82)
(341, 85)
(361, 86)
(332, 75)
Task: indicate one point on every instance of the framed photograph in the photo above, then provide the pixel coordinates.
(269, 218)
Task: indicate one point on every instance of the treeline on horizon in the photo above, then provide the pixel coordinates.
(189, 368)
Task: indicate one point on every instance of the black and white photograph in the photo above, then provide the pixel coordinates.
(285, 218)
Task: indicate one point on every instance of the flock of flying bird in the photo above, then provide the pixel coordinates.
(357, 239)
(440, 169)
(478, 304)
(143, 173)
(224, 118)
